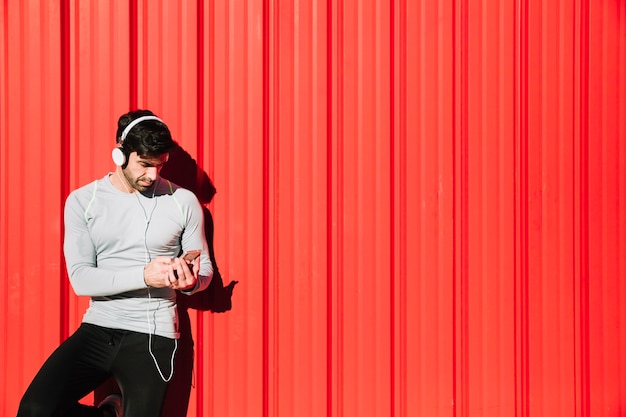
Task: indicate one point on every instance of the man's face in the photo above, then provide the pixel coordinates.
(142, 171)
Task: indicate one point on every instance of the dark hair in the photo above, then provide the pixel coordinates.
(147, 138)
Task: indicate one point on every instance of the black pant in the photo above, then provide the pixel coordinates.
(89, 357)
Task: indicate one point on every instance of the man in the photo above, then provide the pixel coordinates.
(124, 236)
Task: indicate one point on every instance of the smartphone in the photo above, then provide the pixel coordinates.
(191, 255)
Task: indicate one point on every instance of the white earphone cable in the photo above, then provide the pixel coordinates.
(156, 363)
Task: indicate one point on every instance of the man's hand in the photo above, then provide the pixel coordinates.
(184, 275)
(155, 274)
(174, 273)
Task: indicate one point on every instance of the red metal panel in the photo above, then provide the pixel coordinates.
(297, 164)
(424, 204)
(485, 224)
(30, 202)
(551, 378)
(233, 155)
(421, 200)
(361, 256)
(606, 208)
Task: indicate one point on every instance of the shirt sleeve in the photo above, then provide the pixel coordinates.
(80, 257)
(194, 238)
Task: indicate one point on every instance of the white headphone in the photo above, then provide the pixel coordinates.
(118, 154)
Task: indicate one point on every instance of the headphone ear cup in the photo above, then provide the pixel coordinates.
(119, 158)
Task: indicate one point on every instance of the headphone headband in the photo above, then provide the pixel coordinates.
(134, 122)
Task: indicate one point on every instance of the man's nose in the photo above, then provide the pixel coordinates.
(152, 173)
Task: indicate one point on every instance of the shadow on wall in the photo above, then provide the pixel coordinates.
(183, 170)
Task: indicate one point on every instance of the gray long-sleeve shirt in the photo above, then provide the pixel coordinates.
(110, 236)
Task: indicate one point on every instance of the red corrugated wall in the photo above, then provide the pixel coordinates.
(422, 201)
